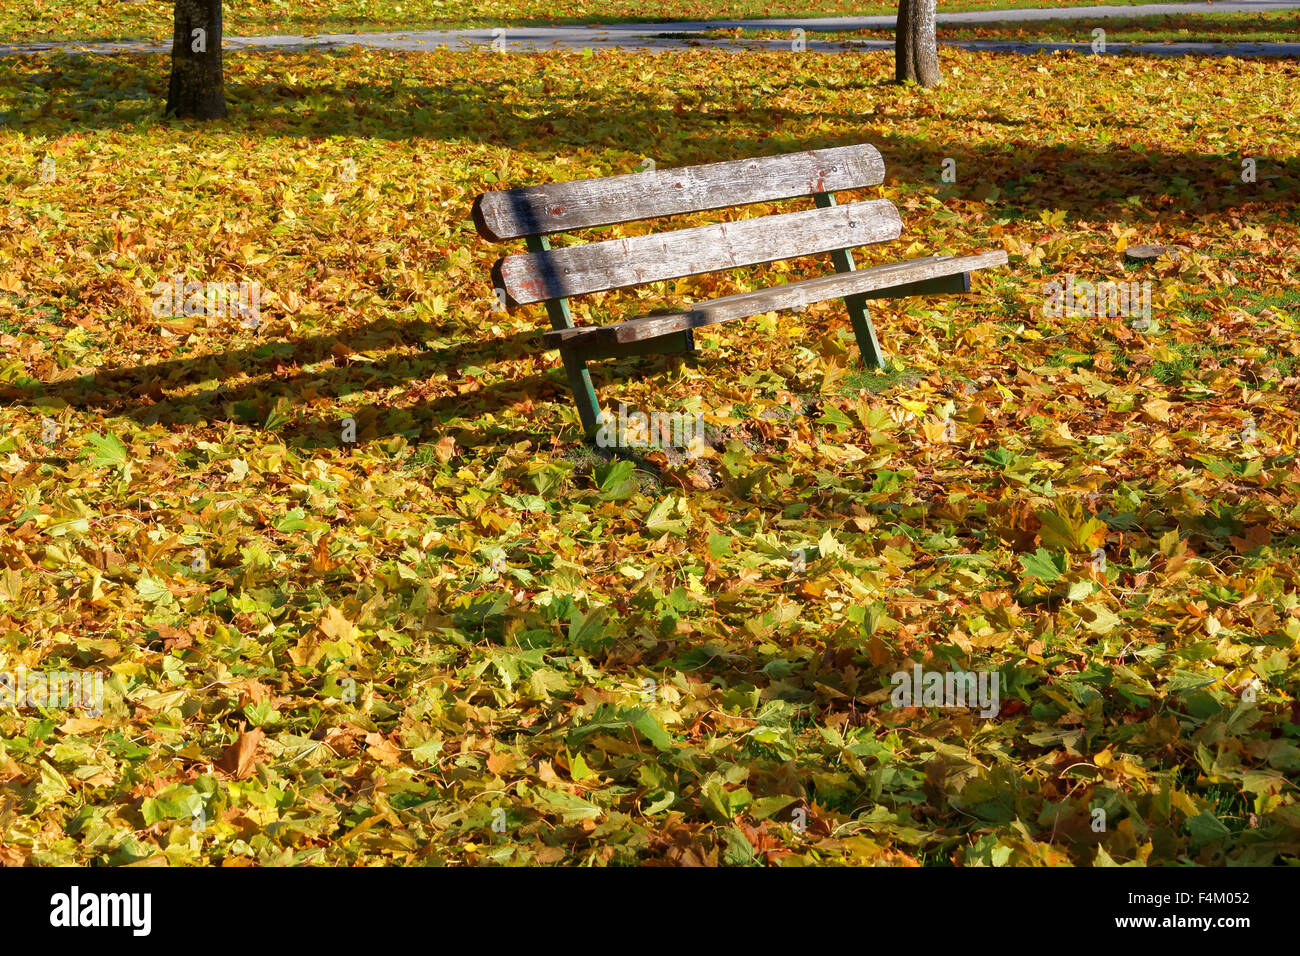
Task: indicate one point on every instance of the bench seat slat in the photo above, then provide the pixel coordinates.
(560, 207)
(637, 260)
(895, 275)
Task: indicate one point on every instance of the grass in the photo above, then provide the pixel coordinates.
(875, 381)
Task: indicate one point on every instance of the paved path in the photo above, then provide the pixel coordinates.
(674, 35)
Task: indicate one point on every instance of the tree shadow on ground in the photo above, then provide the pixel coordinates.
(1104, 177)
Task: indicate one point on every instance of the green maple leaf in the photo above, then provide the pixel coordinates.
(1044, 565)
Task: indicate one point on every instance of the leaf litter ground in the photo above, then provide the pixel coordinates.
(470, 637)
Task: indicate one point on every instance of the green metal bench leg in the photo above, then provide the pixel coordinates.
(864, 331)
(859, 315)
(584, 395)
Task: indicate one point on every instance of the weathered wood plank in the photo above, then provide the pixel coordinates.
(893, 278)
(559, 207)
(618, 263)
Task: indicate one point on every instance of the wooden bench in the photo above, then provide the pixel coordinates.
(552, 276)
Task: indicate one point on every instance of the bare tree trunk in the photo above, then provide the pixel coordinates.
(916, 50)
(197, 90)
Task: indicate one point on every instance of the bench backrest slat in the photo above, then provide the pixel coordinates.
(636, 260)
(560, 207)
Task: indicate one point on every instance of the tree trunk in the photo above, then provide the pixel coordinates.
(197, 90)
(916, 50)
